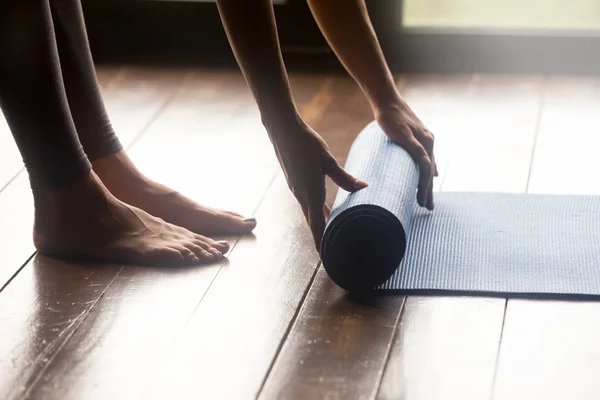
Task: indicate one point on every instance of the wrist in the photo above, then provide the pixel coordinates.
(282, 125)
(383, 95)
(395, 103)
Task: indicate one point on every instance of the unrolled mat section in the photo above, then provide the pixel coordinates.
(472, 243)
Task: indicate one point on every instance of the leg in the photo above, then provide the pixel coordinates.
(75, 215)
(109, 161)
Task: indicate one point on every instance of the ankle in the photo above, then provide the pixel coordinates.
(78, 196)
(116, 166)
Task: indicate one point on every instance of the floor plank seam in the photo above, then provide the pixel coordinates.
(233, 247)
(11, 180)
(17, 271)
(493, 388)
(78, 320)
(115, 78)
(379, 380)
(267, 189)
(538, 124)
(470, 90)
(289, 329)
(168, 101)
(314, 110)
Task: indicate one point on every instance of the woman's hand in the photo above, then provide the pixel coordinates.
(306, 160)
(402, 126)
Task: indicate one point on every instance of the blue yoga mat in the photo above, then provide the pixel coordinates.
(472, 243)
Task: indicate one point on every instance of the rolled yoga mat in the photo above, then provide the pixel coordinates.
(472, 243)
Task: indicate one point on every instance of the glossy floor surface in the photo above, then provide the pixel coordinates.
(268, 322)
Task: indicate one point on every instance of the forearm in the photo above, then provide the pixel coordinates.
(252, 33)
(347, 27)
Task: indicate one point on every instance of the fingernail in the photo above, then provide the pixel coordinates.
(219, 254)
(223, 242)
(360, 184)
(248, 220)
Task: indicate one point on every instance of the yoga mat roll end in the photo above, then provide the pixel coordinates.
(363, 247)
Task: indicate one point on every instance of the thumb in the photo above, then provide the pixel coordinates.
(342, 178)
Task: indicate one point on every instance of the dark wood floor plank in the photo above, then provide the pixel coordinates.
(495, 146)
(247, 310)
(232, 337)
(38, 311)
(337, 348)
(136, 96)
(201, 151)
(16, 223)
(447, 347)
(45, 324)
(550, 349)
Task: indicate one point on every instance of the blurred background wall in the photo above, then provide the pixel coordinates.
(464, 36)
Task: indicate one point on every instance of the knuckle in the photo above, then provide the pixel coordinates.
(427, 140)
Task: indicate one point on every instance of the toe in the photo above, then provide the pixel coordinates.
(220, 245)
(216, 253)
(227, 223)
(197, 250)
(207, 255)
(164, 255)
(207, 250)
(233, 213)
(188, 255)
(237, 223)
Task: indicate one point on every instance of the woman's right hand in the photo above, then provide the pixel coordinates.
(306, 160)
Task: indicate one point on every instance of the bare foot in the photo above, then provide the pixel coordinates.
(84, 221)
(129, 185)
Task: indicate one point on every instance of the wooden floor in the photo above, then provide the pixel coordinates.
(268, 322)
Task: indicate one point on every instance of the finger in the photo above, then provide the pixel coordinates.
(427, 140)
(433, 160)
(420, 156)
(326, 211)
(316, 220)
(313, 206)
(342, 178)
(430, 197)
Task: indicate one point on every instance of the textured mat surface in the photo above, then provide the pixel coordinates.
(535, 245)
